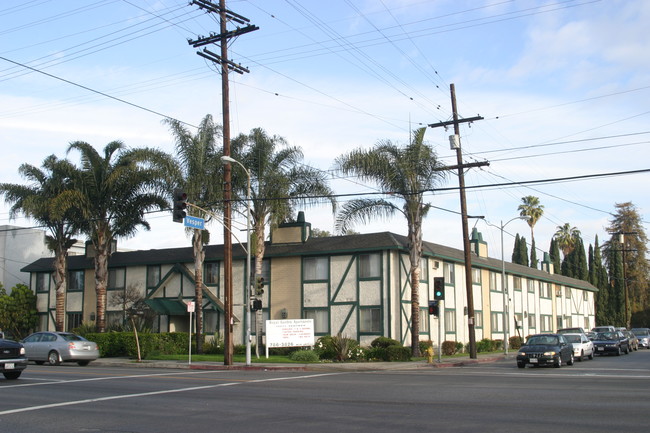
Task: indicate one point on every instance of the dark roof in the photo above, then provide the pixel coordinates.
(314, 246)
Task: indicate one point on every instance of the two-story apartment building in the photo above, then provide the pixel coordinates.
(355, 285)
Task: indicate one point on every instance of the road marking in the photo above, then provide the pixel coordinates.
(147, 394)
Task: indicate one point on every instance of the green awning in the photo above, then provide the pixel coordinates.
(172, 307)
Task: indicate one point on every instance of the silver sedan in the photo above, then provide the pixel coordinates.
(58, 347)
(582, 346)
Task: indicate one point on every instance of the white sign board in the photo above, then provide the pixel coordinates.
(289, 333)
(190, 307)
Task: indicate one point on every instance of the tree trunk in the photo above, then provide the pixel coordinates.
(415, 255)
(199, 257)
(260, 248)
(60, 271)
(101, 280)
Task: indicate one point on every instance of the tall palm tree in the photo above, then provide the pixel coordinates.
(406, 173)
(533, 211)
(36, 200)
(199, 167)
(112, 192)
(567, 238)
(276, 171)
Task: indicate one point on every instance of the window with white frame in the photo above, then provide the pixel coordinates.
(532, 323)
(424, 269)
(319, 315)
(369, 265)
(567, 292)
(476, 276)
(546, 322)
(450, 321)
(531, 286)
(478, 319)
(424, 320)
(449, 273)
(496, 321)
(315, 268)
(519, 320)
(516, 283)
(370, 319)
(544, 289)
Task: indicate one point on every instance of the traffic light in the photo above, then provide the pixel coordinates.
(439, 288)
(180, 204)
(259, 285)
(257, 304)
(434, 308)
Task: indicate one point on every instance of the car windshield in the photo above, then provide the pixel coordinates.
(640, 332)
(71, 337)
(607, 336)
(573, 338)
(543, 340)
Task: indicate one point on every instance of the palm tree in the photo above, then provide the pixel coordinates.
(199, 168)
(406, 173)
(533, 211)
(276, 171)
(36, 200)
(567, 238)
(112, 193)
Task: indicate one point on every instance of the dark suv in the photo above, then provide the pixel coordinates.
(12, 359)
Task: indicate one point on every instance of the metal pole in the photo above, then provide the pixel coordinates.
(505, 296)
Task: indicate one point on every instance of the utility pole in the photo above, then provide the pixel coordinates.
(455, 144)
(226, 65)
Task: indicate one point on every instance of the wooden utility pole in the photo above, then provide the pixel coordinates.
(226, 65)
(455, 141)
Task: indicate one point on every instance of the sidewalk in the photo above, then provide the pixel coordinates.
(329, 366)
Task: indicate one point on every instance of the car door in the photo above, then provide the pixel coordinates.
(566, 349)
(33, 348)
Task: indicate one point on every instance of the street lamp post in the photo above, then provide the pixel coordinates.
(504, 288)
(247, 285)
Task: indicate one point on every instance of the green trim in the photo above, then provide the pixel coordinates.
(343, 278)
(347, 319)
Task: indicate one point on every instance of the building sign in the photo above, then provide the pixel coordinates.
(289, 333)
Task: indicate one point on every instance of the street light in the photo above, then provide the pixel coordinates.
(503, 286)
(226, 159)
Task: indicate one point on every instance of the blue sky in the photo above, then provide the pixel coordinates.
(563, 87)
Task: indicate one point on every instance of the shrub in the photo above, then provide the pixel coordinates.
(424, 345)
(343, 347)
(449, 348)
(324, 348)
(487, 345)
(459, 347)
(384, 342)
(398, 353)
(304, 356)
(515, 342)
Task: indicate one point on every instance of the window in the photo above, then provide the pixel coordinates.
(114, 319)
(531, 286)
(586, 323)
(546, 322)
(424, 320)
(516, 283)
(476, 276)
(369, 266)
(321, 325)
(544, 289)
(74, 321)
(494, 284)
(75, 281)
(42, 282)
(519, 320)
(449, 272)
(496, 321)
(370, 319)
(450, 321)
(211, 273)
(424, 269)
(585, 297)
(116, 278)
(478, 319)
(567, 292)
(315, 268)
(532, 324)
(153, 276)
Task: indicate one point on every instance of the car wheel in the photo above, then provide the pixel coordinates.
(558, 362)
(582, 355)
(591, 356)
(53, 358)
(618, 351)
(570, 361)
(83, 363)
(12, 375)
(627, 349)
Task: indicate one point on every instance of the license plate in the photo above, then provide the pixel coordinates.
(9, 366)
(533, 360)
(600, 349)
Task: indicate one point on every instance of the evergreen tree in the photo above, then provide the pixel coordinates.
(533, 255)
(523, 247)
(516, 253)
(616, 301)
(554, 254)
(598, 278)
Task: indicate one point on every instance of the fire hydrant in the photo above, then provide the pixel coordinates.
(429, 355)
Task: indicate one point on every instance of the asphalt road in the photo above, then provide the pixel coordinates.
(608, 393)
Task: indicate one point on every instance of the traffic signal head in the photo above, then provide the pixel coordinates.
(257, 304)
(434, 308)
(180, 204)
(439, 288)
(259, 285)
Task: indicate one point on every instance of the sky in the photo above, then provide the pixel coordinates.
(563, 87)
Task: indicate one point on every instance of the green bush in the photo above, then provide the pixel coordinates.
(515, 342)
(384, 342)
(112, 344)
(324, 348)
(459, 347)
(424, 345)
(449, 348)
(398, 353)
(487, 345)
(304, 356)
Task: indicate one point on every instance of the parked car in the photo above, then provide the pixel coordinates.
(58, 347)
(598, 329)
(611, 342)
(643, 335)
(545, 349)
(582, 346)
(12, 359)
(571, 331)
(591, 335)
(634, 342)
